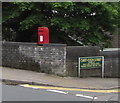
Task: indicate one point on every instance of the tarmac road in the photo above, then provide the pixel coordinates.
(22, 93)
(64, 88)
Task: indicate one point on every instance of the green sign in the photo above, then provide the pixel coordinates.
(90, 62)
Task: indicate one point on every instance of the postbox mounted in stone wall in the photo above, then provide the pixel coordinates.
(43, 35)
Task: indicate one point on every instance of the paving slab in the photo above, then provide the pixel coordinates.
(26, 76)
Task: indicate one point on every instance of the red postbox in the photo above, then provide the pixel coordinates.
(43, 35)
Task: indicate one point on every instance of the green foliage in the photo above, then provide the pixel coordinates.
(91, 23)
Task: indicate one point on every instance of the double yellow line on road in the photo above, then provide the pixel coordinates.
(70, 89)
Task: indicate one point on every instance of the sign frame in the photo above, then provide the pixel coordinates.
(102, 67)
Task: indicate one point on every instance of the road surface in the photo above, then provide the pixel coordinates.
(22, 93)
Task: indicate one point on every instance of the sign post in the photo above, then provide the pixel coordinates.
(102, 66)
(91, 63)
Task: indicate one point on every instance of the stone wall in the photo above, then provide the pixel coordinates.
(57, 59)
(74, 52)
(112, 59)
(48, 58)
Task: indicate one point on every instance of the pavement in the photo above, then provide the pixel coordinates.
(30, 77)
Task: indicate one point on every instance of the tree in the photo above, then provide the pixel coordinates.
(73, 23)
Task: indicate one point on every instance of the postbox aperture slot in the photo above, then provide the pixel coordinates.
(40, 30)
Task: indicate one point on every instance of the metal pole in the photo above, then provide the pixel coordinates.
(79, 67)
(102, 66)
